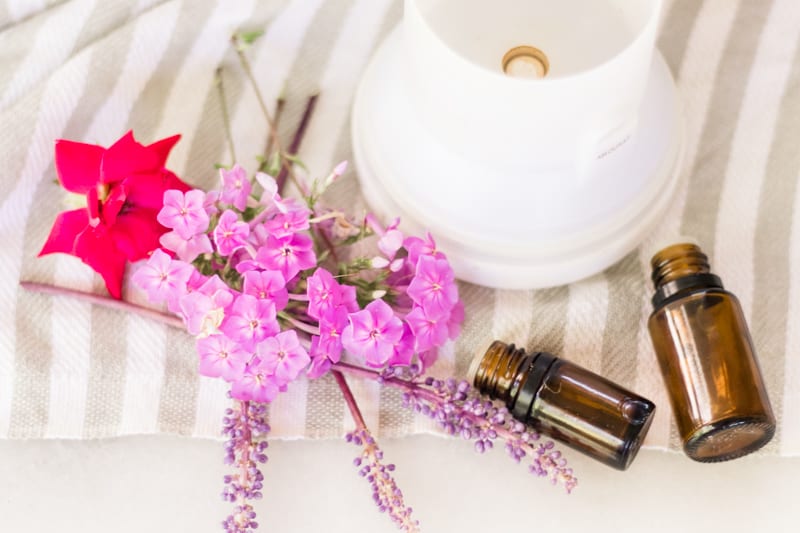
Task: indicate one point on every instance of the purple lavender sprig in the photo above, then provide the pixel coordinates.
(245, 426)
(385, 492)
(459, 409)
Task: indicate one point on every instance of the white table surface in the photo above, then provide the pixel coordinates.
(171, 484)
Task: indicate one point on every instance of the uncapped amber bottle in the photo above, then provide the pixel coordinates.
(565, 401)
(707, 359)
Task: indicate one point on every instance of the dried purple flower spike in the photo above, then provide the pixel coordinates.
(385, 493)
(244, 425)
(459, 409)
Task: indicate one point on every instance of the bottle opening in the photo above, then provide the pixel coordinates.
(525, 62)
(677, 261)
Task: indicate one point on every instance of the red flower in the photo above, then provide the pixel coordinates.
(124, 187)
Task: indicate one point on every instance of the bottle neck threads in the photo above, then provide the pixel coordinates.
(496, 372)
(678, 261)
(679, 268)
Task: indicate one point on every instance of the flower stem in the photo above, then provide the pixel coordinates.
(326, 216)
(246, 439)
(294, 147)
(273, 130)
(105, 301)
(349, 399)
(303, 326)
(404, 384)
(226, 120)
(279, 107)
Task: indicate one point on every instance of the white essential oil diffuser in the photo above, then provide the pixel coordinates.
(538, 140)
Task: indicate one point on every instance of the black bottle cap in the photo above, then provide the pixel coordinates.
(523, 400)
(695, 281)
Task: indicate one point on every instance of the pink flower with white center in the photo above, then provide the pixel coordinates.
(283, 355)
(235, 187)
(283, 224)
(418, 247)
(324, 294)
(186, 249)
(221, 357)
(430, 330)
(372, 333)
(230, 233)
(433, 286)
(331, 326)
(161, 277)
(184, 213)
(266, 285)
(250, 321)
(256, 384)
(205, 308)
(289, 255)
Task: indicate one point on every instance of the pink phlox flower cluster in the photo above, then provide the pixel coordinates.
(424, 284)
(184, 212)
(266, 284)
(161, 277)
(236, 187)
(187, 216)
(283, 355)
(238, 334)
(250, 321)
(264, 269)
(285, 224)
(426, 311)
(204, 309)
(330, 304)
(230, 233)
(372, 333)
(288, 255)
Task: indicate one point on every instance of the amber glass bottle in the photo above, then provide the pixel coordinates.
(707, 359)
(565, 401)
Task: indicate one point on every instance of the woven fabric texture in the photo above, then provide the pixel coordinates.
(90, 70)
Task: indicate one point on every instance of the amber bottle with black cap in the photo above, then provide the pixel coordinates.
(707, 359)
(565, 401)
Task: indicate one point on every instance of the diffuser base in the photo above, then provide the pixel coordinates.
(505, 226)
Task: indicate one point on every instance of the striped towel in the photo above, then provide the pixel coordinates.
(90, 70)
